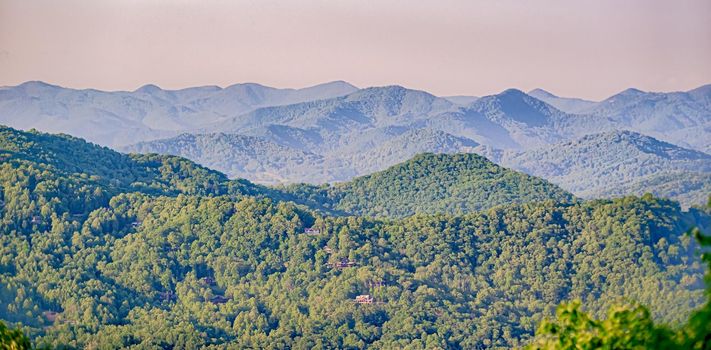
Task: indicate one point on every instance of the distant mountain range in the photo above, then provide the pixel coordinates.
(565, 104)
(236, 155)
(618, 163)
(115, 118)
(270, 162)
(335, 131)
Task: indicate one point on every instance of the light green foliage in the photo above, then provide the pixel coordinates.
(626, 327)
(12, 339)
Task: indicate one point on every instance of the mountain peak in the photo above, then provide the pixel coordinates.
(389, 90)
(538, 93)
(512, 97)
(644, 143)
(515, 105)
(631, 92)
(37, 84)
(330, 89)
(339, 83)
(512, 92)
(149, 89)
(433, 182)
(247, 86)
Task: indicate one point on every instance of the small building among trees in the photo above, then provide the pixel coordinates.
(310, 231)
(343, 263)
(364, 299)
(51, 316)
(207, 281)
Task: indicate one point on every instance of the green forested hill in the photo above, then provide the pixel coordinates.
(67, 156)
(44, 176)
(164, 254)
(432, 183)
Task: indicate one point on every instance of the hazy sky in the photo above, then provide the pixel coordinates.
(573, 48)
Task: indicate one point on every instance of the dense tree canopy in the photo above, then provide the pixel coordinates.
(163, 253)
(627, 326)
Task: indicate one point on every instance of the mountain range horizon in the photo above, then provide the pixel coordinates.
(540, 91)
(335, 131)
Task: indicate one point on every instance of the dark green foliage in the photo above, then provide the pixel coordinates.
(432, 183)
(42, 175)
(187, 260)
(13, 339)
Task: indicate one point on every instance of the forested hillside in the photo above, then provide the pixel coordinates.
(67, 159)
(102, 250)
(432, 183)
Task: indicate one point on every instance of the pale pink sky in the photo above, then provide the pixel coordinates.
(589, 49)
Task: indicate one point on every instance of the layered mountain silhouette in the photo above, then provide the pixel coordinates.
(114, 118)
(271, 162)
(618, 163)
(565, 104)
(335, 131)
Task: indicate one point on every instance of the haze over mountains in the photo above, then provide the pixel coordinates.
(618, 163)
(114, 118)
(568, 105)
(335, 131)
